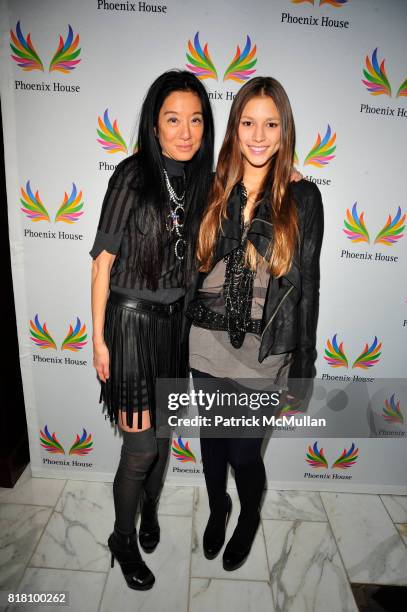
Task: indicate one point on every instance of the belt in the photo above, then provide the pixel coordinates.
(202, 316)
(146, 305)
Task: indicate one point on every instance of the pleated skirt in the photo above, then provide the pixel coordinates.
(144, 342)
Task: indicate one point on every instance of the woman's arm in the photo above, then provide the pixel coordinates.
(303, 368)
(101, 267)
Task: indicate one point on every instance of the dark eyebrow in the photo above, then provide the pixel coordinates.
(268, 118)
(170, 112)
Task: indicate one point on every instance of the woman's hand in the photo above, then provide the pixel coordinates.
(295, 176)
(101, 360)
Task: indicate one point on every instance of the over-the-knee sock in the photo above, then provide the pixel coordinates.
(138, 453)
(214, 461)
(250, 473)
(154, 480)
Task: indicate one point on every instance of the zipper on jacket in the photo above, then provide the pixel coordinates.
(276, 311)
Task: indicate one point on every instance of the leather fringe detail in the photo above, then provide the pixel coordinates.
(143, 346)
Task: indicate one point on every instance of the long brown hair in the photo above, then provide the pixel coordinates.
(229, 172)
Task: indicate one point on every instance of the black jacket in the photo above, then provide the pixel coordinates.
(290, 311)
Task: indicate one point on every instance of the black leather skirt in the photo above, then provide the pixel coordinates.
(144, 342)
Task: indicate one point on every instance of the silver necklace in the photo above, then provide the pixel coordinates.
(176, 217)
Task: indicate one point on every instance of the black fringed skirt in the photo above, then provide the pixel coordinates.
(144, 342)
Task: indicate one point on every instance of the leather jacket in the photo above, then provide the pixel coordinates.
(290, 312)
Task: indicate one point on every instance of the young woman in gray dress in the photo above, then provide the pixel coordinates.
(255, 314)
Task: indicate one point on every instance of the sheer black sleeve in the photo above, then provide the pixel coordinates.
(116, 207)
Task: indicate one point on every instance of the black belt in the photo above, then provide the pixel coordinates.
(146, 305)
(202, 316)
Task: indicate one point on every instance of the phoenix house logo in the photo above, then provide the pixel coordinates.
(69, 211)
(322, 151)
(182, 452)
(334, 3)
(390, 234)
(74, 340)
(376, 80)
(82, 445)
(240, 69)
(336, 358)
(316, 458)
(26, 57)
(109, 135)
(392, 412)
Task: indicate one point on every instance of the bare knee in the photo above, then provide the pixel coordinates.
(145, 421)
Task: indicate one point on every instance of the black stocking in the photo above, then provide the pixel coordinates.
(138, 453)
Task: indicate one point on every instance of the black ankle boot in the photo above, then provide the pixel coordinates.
(214, 535)
(238, 548)
(125, 549)
(149, 532)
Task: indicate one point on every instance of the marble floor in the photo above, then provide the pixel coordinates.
(308, 551)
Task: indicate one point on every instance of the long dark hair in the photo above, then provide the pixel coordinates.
(275, 187)
(150, 206)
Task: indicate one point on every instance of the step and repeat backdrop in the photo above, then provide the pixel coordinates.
(73, 76)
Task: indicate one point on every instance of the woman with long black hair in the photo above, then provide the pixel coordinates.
(256, 312)
(143, 263)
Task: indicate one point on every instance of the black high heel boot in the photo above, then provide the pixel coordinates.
(214, 535)
(124, 548)
(238, 548)
(149, 532)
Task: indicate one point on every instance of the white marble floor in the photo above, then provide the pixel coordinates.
(307, 551)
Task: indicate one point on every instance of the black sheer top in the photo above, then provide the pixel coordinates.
(118, 232)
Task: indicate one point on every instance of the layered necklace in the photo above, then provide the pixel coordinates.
(176, 217)
(238, 285)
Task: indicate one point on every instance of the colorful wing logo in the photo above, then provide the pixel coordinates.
(376, 81)
(40, 335)
(64, 59)
(24, 51)
(50, 442)
(402, 90)
(322, 151)
(316, 458)
(110, 137)
(356, 229)
(75, 339)
(32, 207)
(70, 209)
(181, 451)
(369, 356)
(392, 412)
(82, 445)
(201, 63)
(347, 458)
(335, 3)
(392, 231)
(240, 68)
(334, 354)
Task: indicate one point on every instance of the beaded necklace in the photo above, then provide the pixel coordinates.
(176, 217)
(238, 286)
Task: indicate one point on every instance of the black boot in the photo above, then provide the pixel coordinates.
(149, 532)
(124, 548)
(238, 548)
(214, 535)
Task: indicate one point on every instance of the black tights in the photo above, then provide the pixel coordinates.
(142, 464)
(244, 456)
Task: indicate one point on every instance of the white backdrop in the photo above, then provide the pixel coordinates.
(318, 50)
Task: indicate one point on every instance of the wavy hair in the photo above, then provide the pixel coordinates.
(274, 188)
